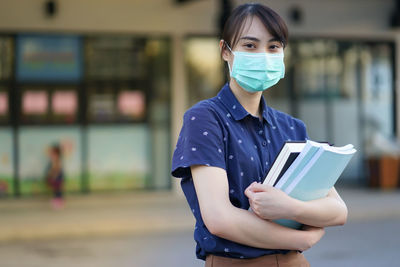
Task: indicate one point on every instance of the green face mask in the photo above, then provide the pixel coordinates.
(256, 72)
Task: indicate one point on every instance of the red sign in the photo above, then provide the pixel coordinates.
(3, 103)
(131, 103)
(64, 102)
(34, 102)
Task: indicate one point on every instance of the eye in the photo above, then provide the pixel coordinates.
(249, 45)
(275, 47)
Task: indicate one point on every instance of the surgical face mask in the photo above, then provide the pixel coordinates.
(256, 72)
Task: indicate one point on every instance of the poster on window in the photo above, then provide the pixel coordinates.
(64, 103)
(132, 104)
(6, 162)
(34, 148)
(48, 58)
(119, 157)
(34, 102)
(3, 104)
(101, 107)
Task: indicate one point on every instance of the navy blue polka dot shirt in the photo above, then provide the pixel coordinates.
(219, 132)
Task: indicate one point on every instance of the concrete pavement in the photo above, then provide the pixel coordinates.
(104, 214)
(93, 214)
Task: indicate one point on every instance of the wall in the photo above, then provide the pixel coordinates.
(338, 17)
(140, 16)
(361, 17)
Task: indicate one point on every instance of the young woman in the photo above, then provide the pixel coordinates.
(225, 149)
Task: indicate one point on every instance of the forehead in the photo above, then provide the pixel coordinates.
(255, 28)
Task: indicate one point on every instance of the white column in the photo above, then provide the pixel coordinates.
(178, 95)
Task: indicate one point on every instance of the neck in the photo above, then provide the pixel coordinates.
(250, 101)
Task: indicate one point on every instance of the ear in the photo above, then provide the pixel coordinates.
(225, 53)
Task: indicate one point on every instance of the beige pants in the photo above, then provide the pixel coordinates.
(291, 259)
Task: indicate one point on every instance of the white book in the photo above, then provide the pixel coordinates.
(286, 156)
(298, 164)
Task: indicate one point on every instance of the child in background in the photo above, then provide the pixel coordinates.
(55, 176)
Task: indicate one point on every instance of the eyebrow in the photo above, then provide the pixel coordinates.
(258, 40)
(274, 40)
(250, 38)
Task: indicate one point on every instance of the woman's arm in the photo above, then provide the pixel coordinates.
(239, 225)
(328, 211)
(271, 203)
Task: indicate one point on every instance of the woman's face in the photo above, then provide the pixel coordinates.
(255, 38)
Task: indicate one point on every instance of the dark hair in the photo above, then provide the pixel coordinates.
(56, 150)
(234, 25)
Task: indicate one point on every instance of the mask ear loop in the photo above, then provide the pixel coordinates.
(229, 67)
(228, 46)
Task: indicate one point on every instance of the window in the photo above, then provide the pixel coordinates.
(6, 57)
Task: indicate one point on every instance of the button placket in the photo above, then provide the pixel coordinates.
(261, 147)
(266, 143)
(262, 133)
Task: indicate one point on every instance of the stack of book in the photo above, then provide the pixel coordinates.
(307, 170)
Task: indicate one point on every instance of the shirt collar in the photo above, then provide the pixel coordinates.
(236, 109)
(266, 111)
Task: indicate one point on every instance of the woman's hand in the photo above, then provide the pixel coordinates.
(270, 203)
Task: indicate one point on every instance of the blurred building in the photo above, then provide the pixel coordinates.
(110, 80)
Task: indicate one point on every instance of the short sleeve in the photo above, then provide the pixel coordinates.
(200, 142)
(301, 130)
